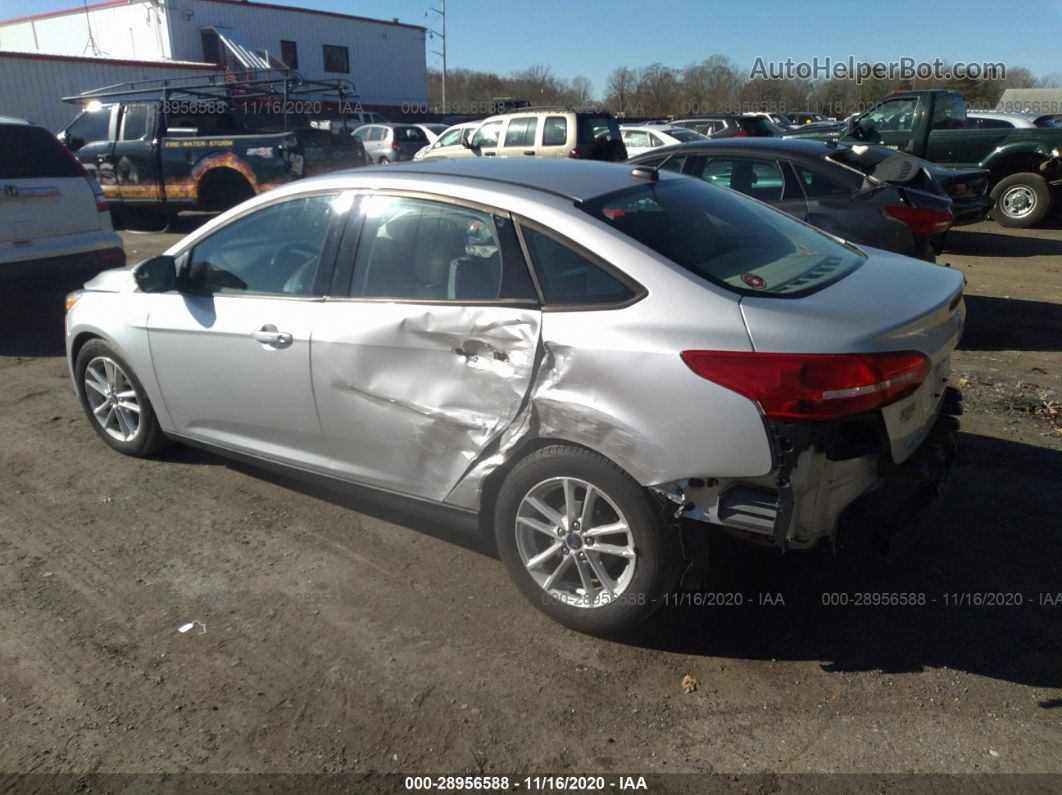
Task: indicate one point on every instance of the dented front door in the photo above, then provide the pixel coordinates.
(411, 394)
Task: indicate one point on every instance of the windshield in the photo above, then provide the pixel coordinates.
(725, 237)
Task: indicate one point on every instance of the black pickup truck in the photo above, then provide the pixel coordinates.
(1022, 164)
(154, 158)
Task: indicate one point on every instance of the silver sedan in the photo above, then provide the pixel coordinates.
(587, 361)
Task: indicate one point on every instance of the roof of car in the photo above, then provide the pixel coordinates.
(789, 147)
(577, 180)
(14, 120)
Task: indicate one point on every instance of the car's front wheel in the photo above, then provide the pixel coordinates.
(115, 402)
(583, 541)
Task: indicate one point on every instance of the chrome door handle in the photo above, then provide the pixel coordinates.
(268, 335)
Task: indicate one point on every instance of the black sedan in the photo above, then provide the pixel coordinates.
(897, 206)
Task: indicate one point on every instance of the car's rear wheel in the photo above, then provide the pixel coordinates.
(383, 161)
(1022, 200)
(583, 541)
(115, 402)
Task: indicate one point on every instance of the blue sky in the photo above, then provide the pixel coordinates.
(591, 37)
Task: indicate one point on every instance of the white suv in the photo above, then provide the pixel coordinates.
(52, 216)
(542, 132)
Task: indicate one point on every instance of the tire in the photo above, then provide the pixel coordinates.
(383, 161)
(1022, 200)
(112, 425)
(643, 562)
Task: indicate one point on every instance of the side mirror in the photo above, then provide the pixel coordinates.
(156, 275)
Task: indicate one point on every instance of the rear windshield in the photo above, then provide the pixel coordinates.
(682, 134)
(28, 152)
(595, 129)
(1049, 121)
(725, 237)
(410, 135)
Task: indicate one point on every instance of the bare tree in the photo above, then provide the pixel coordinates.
(620, 87)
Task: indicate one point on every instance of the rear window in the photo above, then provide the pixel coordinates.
(410, 135)
(28, 152)
(595, 129)
(1049, 121)
(726, 238)
(684, 135)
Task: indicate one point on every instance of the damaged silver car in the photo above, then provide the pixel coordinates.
(581, 359)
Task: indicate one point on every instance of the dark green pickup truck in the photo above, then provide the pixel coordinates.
(1023, 164)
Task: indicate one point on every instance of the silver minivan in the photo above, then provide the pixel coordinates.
(391, 142)
(592, 363)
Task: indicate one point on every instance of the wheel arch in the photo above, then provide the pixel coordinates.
(492, 483)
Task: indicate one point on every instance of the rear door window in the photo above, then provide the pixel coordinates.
(569, 278)
(420, 250)
(817, 184)
(134, 122)
(760, 179)
(521, 131)
(27, 152)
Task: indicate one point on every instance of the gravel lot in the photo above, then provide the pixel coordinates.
(343, 637)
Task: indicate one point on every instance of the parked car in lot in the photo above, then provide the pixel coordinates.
(998, 120)
(829, 187)
(391, 142)
(800, 117)
(748, 125)
(53, 216)
(571, 357)
(932, 124)
(555, 131)
(447, 144)
(644, 138)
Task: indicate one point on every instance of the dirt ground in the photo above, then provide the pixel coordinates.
(332, 635)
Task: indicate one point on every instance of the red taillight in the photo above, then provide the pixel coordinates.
(923, 221)
(101, 199)
(805, 386)
(394, 144)
(575, 153)
(956, 188)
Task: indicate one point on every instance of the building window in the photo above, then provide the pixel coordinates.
(289, 53)
(336, 59)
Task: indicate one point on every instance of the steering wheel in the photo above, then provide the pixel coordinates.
(304, 256)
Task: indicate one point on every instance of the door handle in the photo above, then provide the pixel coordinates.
(489, 154)
(268, 335)
(530, 152)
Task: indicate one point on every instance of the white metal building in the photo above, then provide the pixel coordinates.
(385, 60)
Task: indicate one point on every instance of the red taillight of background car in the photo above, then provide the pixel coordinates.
(575, 153)
(922, 220)
(101, 199)
(956, 188)
(394, 144)
(805, 386)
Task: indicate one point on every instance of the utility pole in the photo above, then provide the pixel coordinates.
(441, 11)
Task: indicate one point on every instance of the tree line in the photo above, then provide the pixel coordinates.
(714, 85)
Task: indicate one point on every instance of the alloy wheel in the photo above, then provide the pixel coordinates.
(575, 542)
(112, 398)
